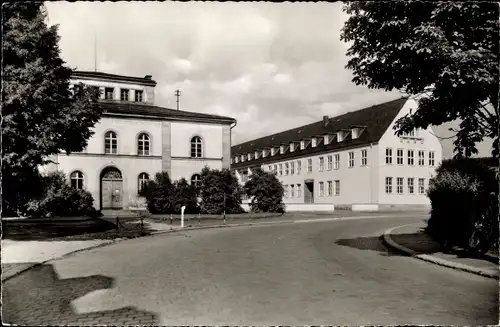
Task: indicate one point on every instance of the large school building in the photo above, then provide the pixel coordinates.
(352, 161)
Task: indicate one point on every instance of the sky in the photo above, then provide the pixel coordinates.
(272, 66)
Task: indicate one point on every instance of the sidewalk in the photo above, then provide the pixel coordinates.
(411, 240)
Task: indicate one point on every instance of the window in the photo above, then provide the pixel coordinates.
(388, 156)
(330, 163)
(309, 165)
(292, 168)
(124, 94)
(299, 191)
(337, 187)
(76, 179)
(275, 169)
(321, 164)
(337, 161)
(421, 185)
(109, 93)
(196, 180)
(143, 145)
(142, 181)
(411, 185)
(364, 157)
(270, 168)
(321, 189)
(421, 158)
(292, 191)
(280, 171)
(196, 147)
(110, 143)
(411, 161)
(351, 159)
(286, 169)
(138, 96)
(299, 167)
(400, 185)
(330, 188)
(400, 156)
(431, 158)
(388, 185)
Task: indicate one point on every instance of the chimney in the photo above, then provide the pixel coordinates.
(148, 77)
(325, 121)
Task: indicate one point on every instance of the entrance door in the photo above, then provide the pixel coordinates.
(309, 192)
(111, 190)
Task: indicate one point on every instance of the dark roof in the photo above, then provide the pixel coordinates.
(146, 80)
(145, 110)
(376, 119)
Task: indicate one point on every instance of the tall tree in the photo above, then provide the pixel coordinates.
(266, 192)
(219, 192)
(443, 53)
(41, 115)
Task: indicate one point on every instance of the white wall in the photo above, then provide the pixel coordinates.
(182, 132)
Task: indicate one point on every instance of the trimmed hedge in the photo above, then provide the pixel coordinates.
(464, 199)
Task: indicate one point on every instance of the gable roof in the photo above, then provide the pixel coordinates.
(146, 80)
(376, 119)
(131, 109)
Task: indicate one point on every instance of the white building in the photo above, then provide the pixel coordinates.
(353, 161)
(136, 139)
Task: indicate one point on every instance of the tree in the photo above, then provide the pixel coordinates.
(219, 191)
(41, 115)
(159, 194)
(445, 54)
(184, 195)
(266, 192)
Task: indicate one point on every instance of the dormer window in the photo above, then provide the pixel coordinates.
(236, 159)
(242, 157)
(326, 139)
(314, 142)
(302, 144)
(292, 147)
(282, 149)
(340, 136)
(264, 153)
(273, 151)
(249, 156)
(256, 155)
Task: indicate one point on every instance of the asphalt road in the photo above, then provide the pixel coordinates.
(314, 273)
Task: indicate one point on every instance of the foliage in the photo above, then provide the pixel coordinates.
(461, 195)
(266, 192)
(443, 53)
(159, 194)
(60, 199)
(184, 195)
(220, 192)
(41, 115)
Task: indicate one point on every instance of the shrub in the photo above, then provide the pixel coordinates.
(184, 195)
(60, 199)
(460, 195)
(266, 192)
(158, 194)
(220, 191)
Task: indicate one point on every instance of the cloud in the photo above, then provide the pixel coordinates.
(272, 66)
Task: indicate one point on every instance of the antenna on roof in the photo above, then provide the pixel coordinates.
(177, 94)
(95, 52)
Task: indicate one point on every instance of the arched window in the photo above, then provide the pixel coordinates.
(196, 147)
(196, 180)
(143, 147)
(143, 180)
(76, 179)
(110, 143)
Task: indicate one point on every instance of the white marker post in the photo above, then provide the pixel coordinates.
(182, 216)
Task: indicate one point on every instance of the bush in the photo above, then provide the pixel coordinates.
(220, 191)
(165, 197)
(461, 194)
(266, 192)
(60, 199)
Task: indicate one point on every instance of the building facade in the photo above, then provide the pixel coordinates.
(353, 161)
(136, 139)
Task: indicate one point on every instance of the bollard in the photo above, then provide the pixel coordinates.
(182, 216)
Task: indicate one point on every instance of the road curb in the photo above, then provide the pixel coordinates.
(490, 273)
(173, 230)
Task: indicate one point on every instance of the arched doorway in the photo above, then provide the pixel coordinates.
(111, 188)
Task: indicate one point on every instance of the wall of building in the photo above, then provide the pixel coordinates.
(147, 91)
(92, 165)
(425, 141)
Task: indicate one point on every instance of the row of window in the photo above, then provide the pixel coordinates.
(410, 156)
(77, 180)
(109, 94)
(400, 185)
(144, 145)
(332, 162)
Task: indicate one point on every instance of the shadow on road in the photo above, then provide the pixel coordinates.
(40, 297)
(373, 243)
